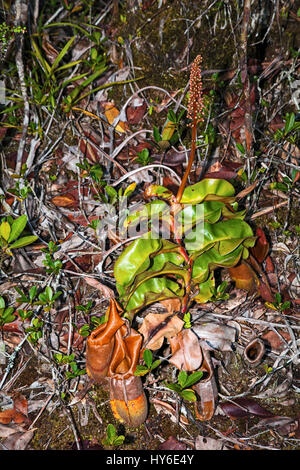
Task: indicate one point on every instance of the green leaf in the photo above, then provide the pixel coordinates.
(174, 387)
(17, 227)
(211, 259)
(119, 440)
(207, 187)
(205, 290)
(62, 53)
(141, 370)
(134, 259)
(129, 190)
(112, 193)
(193, 378)
(182, 378)
(168, 130)
(2, 302)
(226, 236)
(5, 230)
(147, 356)
(149, 212)
(156, 135)
(111, 432)
(23, 242)
(44, 64)
(32, 293)
(190, 215)
(188, 395)
(289, 123)
(155, 364)
(241, 148)
(49, 292)
(172, 116)
(153, 290)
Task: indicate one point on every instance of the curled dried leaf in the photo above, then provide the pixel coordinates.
(157, 326)
(186, 351)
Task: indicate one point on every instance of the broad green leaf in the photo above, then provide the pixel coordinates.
(24, 241)
(119, 440)
(169, 269)
(198, 192)
(155, 364)
(167, 261)
(49, 292)
(205, 290)
(17, 227)
(227, 214)
(153, 290)
(211, 259)
(134, 259)
(149, 212)
(188, 395)
(209, 211)
(111, 432)
(2, 302)
(5, 230)
(227, 234)
(174, 387)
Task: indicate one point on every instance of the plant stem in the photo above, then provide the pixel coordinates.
(190, 163)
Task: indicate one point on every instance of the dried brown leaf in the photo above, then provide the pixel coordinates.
(186, 351)
(157, 326)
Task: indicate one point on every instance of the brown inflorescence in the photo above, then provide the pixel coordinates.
(195, 105)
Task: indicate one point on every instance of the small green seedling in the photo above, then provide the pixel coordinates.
(64, 359)
(27, 299)
(86, 329)
(6, 313)
(112, 438)
(219, 292)
(35, 330)
(143, 157)
(47, 298)
(268, 369)
(278, 304)
(53, 265)
(187, 320)
(184, 382)
(10, 231)
(150, 365)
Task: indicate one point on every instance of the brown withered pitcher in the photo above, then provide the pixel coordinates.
(113, 351)
(101, 342)
(127, 397)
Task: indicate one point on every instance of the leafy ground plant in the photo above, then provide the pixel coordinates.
(112, 438)
(169, 288)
